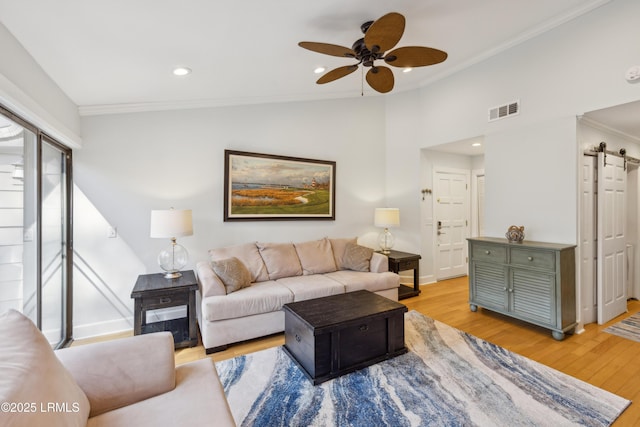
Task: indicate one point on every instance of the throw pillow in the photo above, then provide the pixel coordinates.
(338, 246)
(248, 254)
(32, 378)
(233, 273)
(357, 257)
(316, 257)
(281, 259)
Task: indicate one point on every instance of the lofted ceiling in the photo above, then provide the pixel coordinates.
(118, 55)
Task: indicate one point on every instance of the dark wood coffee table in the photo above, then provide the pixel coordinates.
(332, 336)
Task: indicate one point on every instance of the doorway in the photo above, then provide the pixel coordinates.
(606, 274)
(465, 157)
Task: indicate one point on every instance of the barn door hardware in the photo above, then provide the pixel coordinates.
(602, 148)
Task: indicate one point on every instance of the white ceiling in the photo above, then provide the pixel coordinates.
(118, 54)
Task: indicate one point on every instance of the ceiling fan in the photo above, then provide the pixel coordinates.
(379, 37)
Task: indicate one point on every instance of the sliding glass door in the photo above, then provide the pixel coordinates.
(54, 239)
(35, 227)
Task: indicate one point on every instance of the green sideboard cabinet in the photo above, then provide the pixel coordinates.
(530, 281)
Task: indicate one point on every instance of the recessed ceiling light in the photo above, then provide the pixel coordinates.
(476, 144)
(181, 71)
(319, 70)
(407, 70)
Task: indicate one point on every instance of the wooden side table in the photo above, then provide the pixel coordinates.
(153, 292)
(401, 261)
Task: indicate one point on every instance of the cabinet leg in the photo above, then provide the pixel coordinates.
(557, 335)
(473, 307)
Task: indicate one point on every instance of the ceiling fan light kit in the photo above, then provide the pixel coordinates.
(379, 37)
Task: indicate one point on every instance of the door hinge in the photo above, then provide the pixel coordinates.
(466, 259)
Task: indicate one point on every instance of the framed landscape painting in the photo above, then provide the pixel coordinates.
(259, 187)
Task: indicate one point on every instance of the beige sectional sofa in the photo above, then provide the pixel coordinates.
(242, 288)
(126, 382)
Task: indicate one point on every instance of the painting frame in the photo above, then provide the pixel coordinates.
(269, 187)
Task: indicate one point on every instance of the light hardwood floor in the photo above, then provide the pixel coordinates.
(599, 358)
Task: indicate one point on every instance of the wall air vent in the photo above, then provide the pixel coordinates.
(502, 111)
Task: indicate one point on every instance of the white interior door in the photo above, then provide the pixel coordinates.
(589, 240)
(611, 269)
(451, 217)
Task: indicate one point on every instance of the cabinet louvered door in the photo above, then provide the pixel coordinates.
(532, 296)
(490, 286)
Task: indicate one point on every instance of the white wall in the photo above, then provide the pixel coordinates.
(27, 91)
(530, 160)
(133, 163)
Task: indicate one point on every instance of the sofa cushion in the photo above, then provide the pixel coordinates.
(31, 374)
(281, 259)
(260, 297)
(198, 399)
(316, 256)
(357, 257)
(248, 254)
(338, 247)
(313, 286)
(358, 280)
(232, 272)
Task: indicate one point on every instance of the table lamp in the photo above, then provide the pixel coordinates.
(172, 223)
(386, 217)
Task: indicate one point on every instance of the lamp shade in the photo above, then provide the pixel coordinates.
(170, 223)
(386, 217)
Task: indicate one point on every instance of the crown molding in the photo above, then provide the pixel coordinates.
(601, 126)
(97, 110)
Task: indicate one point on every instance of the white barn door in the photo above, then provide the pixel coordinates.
(611, 269)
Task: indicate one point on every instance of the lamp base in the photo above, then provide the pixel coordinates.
(385, 240)
(172, 259)
(172, 275)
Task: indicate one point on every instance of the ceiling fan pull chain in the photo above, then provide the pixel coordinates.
(362, 81)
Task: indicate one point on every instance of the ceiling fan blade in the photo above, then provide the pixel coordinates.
(415, 56)
(380, 79)
(384, 33)
(329, 49)
(337, 73)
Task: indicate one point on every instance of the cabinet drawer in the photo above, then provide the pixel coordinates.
(170, 300)
(529, 258)
(489, 253)
(407, 265)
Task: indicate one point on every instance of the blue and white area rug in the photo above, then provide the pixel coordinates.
(628, 328)
(448, 378)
